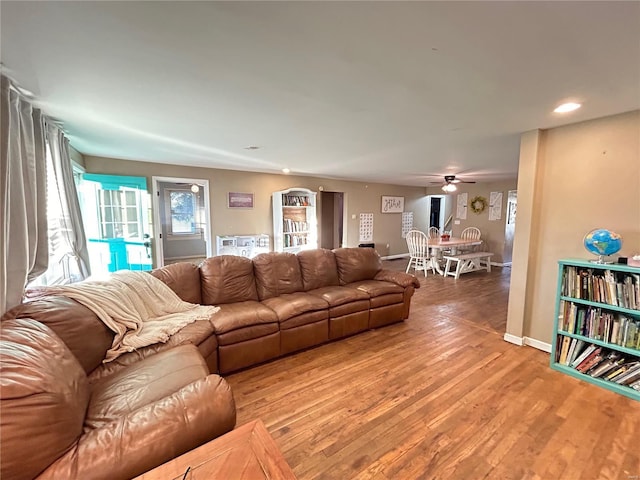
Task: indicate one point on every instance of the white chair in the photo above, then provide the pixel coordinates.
(433, 233)
(418, 244)
(470, 233)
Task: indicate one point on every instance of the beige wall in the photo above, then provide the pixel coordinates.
(359, 198)
(578, 177)
(76, 157)
(493, 231)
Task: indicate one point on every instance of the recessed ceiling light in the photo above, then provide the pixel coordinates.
(252, 147)
(567, 107)
(285, 170)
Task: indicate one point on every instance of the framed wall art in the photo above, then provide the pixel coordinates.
(392, 204)
(239, 200)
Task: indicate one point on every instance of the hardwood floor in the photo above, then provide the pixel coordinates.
(440, 396)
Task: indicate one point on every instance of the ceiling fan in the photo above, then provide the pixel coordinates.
(450, 181)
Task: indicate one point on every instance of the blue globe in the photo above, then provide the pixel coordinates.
(602, 242)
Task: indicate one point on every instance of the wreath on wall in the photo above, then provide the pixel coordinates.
(478, 204)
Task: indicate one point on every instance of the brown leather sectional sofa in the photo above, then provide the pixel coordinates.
(65, 414)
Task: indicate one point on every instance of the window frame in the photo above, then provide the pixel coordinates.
(197, 232)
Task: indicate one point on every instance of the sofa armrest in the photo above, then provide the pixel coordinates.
(152, 435)
(399, 278)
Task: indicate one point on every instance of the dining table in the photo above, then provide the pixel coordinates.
(437, 245)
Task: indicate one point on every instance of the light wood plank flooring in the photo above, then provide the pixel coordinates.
(440, 396)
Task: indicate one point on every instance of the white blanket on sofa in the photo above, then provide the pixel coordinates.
(138, 307)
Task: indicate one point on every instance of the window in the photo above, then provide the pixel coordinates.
(183, 211)
(62, 268)
(118, 210)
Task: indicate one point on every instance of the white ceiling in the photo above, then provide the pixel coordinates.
(374, 91)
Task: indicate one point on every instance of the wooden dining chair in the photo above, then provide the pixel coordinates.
(470, 233)
(419, 258)
(433, 233)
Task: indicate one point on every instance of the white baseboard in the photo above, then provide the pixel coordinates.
(393, 257)
(531, 342)
(496, 264)
(513, 339)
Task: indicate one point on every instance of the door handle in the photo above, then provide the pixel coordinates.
(147, 244)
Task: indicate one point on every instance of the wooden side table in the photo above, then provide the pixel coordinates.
(246, 453)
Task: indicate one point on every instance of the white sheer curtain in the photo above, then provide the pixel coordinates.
(23, 238)
(69, 221)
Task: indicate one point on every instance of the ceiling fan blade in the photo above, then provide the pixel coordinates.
(448, 179)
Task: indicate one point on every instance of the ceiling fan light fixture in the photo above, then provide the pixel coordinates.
(449, 187)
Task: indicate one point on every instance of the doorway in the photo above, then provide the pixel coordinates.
(439, 211)
(434, 215)
(181, 220)
(510, 226)
(115, 212)
(331, 219)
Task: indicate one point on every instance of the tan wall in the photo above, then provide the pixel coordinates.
(527, 171)
(587, 175)
(359, 198)
(493, 232)
(76, 157)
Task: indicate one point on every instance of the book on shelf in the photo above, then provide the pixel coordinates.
(587, 351)
(575, 351)
(633, 378)
(600, 324)
(598, 362)
(292, 226)
(608, 363)
(630, 375)
(620, 370)
(621, 289)
(591, 360)
(295, 201)
(570, 352)
(564, 350)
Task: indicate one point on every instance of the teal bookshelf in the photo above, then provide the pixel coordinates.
(580, 284)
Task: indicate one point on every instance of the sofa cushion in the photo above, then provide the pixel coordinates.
(277, 273)
(335, 296)
(355, 264)
(293, 304)
(239, 315)
(227, 279)
(349, 308)
(318, 268)
(44, 396)
(183, 278)
(376, 288)
(80, 329)
(144, 383)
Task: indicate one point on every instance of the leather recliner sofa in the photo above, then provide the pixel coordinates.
(66, 414)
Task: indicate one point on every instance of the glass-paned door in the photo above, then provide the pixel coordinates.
(117, 217)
